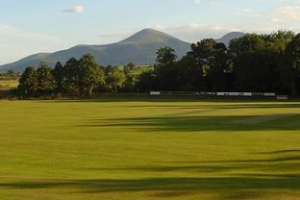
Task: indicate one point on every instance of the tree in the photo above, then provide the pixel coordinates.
(165, 56)
(80, 77)
(58, 73)
(212, 63)
(258, 61)
(247, 43)
(165, 69)
(146, 82)
(129, 67)
(189, 74)
(293, 63)
(257, 71)
(28, 83)
(202, 50)
(279, 40)
(45, 79)
(71, 74)
(130, 83)
(126, 70)
(115, 80)
(217, 69)
(108, 69)
(90, 75)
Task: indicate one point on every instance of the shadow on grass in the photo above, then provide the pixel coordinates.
(283, 163)
(215, 104)
(162, 169)
(203, 123)
(227, 186)
(282, 151)
(226, 105)
(211, 178)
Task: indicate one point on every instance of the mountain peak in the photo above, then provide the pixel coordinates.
(229, 36)
(148, 30)
(139, 48)
(148, 35)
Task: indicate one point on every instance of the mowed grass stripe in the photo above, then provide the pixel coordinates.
(106, 149)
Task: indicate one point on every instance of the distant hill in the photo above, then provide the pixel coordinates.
(139, 48)
(229, 36)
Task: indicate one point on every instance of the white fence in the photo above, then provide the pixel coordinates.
(217, 94)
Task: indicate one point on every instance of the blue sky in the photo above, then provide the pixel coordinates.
(33, 26)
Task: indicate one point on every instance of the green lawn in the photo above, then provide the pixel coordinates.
(113, 149)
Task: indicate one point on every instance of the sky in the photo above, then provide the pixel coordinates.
(33, 26)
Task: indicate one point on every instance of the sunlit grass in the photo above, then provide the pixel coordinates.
(106, 149)
(8, 84)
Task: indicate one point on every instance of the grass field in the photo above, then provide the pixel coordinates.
(8, 84)
(113, 149)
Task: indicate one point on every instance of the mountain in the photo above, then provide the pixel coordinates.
(229, 36)
(139, 48)
(28, 61)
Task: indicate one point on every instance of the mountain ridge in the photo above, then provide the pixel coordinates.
(139, 48)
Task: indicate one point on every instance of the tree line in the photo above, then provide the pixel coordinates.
(252, 63)
(78, 78)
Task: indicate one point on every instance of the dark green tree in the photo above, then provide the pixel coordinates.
(71, 76)
(217, 69)
(58, 74)
(46, 82)
(293, 64)
(90, 74)
(257, 61)
(131, 65)
(189, 74)
(165, 56)
(257, 71)
(247, 43)
(130, 83)
(128, 68)
(147, 82)
(165, 69)
(212, 62)
(28, 83)
(108, 69)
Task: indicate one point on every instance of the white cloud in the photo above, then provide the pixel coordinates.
(197, 1)
(288, 13)
(250, 13)
(76, 9)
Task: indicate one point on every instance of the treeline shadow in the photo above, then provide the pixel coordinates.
(183, 124)
(165, 187)
(226, 105)
(282, 151)
(284, 161)
(219, 104)
(211, 178)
